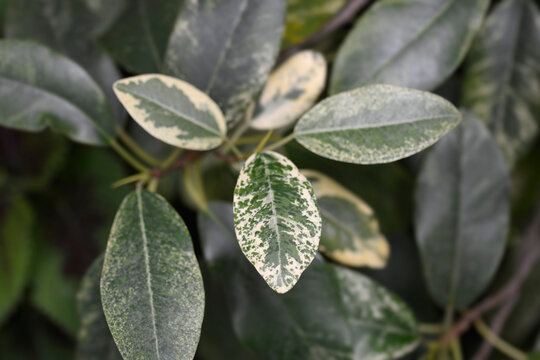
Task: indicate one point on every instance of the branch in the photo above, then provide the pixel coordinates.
(345, 16)
(184, 160)
(529, 253)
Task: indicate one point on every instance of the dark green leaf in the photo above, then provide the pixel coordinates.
(139, 38)
(462, 213)
(226, 48)
(409, 43)
(332, 313)
(375, 124)
(15, 251)
(276, 219)
(95, 341)
(69, 27)
(151, 286)
(41, 88)
(502, 77)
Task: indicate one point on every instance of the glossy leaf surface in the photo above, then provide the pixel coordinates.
(290, 90)
(350, 232)
(151, 286)
(357, 319)
(410, 43)
(172, 111)
(502, 75)
(375, 124)
(41, 88)
(276, 219)
(462, 213)
(226, 48)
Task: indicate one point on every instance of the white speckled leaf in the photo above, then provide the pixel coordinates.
(173, 111)
(333, 313)
(502, 76)
(40, 88)
(350, 232)
(226, 48)
(410, 43)
(375, 124)
(462, 213)
(151, 286)
(290, 90)
(276, 219)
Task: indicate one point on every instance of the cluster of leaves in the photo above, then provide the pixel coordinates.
(205, 87)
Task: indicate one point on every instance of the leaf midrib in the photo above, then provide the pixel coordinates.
(374, 126)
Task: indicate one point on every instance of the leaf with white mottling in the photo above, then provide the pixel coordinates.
(350, 232)
(173, 111)
(462, 213)
(276, 219)
(333, 313)
(41, 88)
(290, 90)
(502, 76)
(151, 286)
(226, 48)
(410, 43)
(94, 340)
(375, 124)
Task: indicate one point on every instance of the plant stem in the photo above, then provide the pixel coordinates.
(246, 140)
(431, 328)
(153, 184)
(455, 346)
(263, 142)
(497, 342)
(127, 156)
(280, 143)
(140, 152)
(133, 178)
(171, 158)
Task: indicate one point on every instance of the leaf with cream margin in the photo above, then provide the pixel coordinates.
(290, 90)
(276, 219)
(41, 88)
(172, 111)
(94, 339)
(502, 76)
(375, 124)
(462, 213)
(350, 232)
(151, 285)
(425, 43)
(226, 48)
(333, 313)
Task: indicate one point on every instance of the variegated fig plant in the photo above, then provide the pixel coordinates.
(284, 157)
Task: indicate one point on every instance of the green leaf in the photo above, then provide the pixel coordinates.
(151, 286)
(173, 111)
(138, 40)
(534, 356)
(350, 232)
(407, 43)
(94, 340)
(53, 293)
(290, 90)
(226, 49)
(41, 88)
(15, 253)
(462, 213)
(502, 76)
(333, 313)
(276, 219)
(304, 17)
(375, 124)
(70, 27)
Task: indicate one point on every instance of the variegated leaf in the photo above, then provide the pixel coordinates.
(375, 124)
(40, 88)
(226, 48)
(290, 90)
(276, 219)
(350, 232)
(151, 285)
(409, 43)
(502, 75)
(173, 111)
